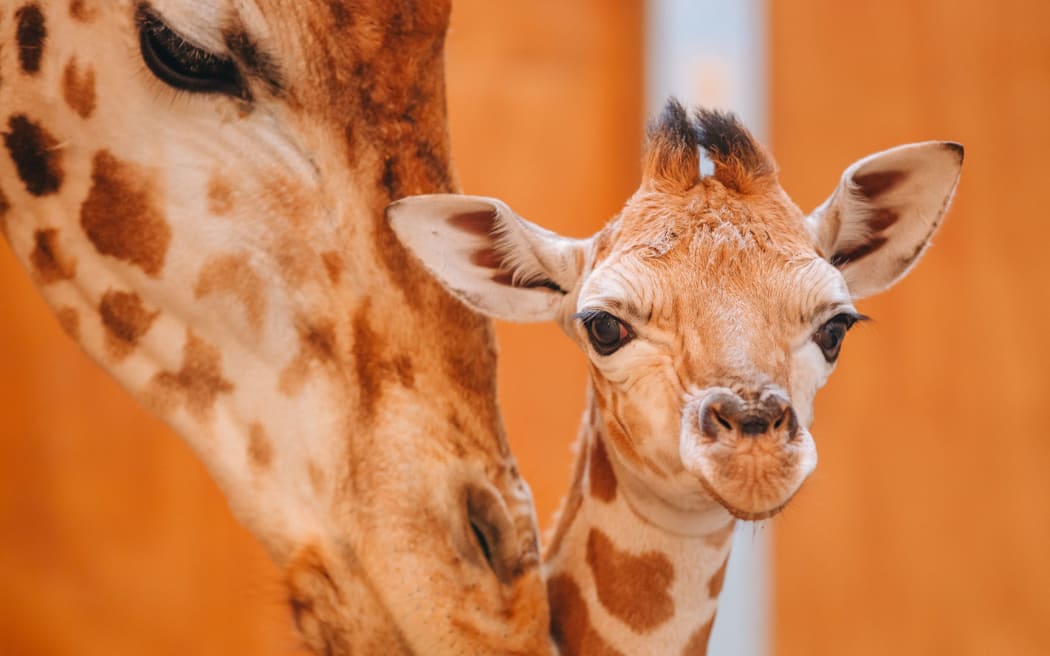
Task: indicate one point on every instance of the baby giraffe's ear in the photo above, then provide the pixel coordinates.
(880, 219)
(493, 260)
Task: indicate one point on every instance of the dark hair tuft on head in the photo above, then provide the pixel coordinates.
(739, 159)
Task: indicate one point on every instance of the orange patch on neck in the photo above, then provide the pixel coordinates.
(78, 88)
(317, 344)
(197, 384)
(69, 319)
(571, 627)
(50, 263)
(232, 274)
(220, 195)
(602, 478)
(697, 645)
(80, 11)
(333, 264)
(126, 320)
(714, 586)
(260, 448)
(120, 216)
(633, 588)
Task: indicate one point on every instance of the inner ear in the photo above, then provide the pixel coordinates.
(495, 248)
(493, 260)
(881, 217)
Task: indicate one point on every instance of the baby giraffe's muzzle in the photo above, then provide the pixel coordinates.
(747, 450)
(727, 415)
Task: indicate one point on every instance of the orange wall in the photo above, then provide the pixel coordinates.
(926, 528)
(115, 541)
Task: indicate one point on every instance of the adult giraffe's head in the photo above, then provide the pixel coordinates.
(711, 308)
(196, 187)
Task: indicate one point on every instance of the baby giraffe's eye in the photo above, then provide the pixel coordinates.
(829, 336)
(606, 332)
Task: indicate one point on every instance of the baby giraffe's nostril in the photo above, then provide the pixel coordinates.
(721, 420)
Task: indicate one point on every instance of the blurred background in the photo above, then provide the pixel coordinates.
(926, 527)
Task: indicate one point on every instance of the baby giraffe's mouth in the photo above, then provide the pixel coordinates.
(745, 515)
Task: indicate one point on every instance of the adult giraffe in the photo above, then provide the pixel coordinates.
(196, 187)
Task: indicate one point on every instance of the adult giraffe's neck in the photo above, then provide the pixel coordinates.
(624, 575)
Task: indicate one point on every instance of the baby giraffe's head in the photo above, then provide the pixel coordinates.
(711, 308)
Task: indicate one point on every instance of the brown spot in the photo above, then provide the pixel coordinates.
(36, 155)
(333, 618)
(69, 319)
(78, 88)
(317, 344)
(714, 586)
(368, 362)
(333, 264)
(632, 588)
(406, 374)
(697, 645)
(373, 366)
(390, 179)
(30, 34)
(49, 261)
(220, 195)
(120, 217)
(478, 223)
(842, 258)
(80, 11)
(873, 185)
(317, 478)
(603, 480)
(260, 448)
(234, 275)
(197, 384)
(126, 320)
(622, 444)
(571, 627)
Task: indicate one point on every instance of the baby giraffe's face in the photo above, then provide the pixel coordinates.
(707, 338)
(711, 309)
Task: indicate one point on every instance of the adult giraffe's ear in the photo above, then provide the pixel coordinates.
(493, 260)
(880, 219)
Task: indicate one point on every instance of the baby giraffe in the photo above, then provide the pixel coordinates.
(711, 311)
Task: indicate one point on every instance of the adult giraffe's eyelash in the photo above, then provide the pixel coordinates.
(181, 64)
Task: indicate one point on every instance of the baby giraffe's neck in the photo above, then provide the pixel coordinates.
(626, 572)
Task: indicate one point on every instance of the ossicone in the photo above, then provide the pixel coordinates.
(672, 157)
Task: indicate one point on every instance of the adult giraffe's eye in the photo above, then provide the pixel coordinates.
(606, 332)
(829, 336)
(183, 65)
